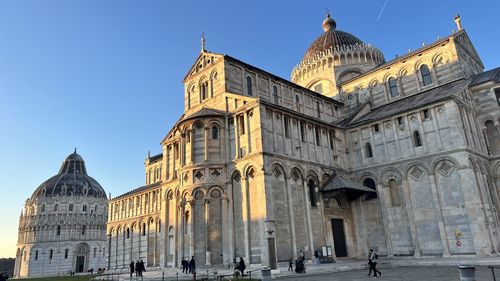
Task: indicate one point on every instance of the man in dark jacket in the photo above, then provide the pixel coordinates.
(242, 266)
(192, 265)
(138, 268)
(143, 268)
(185, 265)
(132, 266)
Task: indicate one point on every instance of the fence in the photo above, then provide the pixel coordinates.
(493, 267)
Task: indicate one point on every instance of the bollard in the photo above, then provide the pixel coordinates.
(467, 272)
(266, 274)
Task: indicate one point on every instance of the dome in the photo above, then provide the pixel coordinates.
(72, 180)
(332, 39)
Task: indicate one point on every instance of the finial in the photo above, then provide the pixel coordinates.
(75, 150)
(458, 22)
(328, 23)
(149, 153)
(203, 42)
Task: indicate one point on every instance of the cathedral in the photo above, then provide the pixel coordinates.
(62, 228)
(354, 152)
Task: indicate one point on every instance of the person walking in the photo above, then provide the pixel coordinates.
(290, 264)
(242, 266)
(132, 266)
(137, 268)
(373, 259)
(301, 256)
(185, 265)
(192, 265)
(316, 256)
(143, 268)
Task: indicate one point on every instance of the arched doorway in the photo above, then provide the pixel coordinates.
(81, 257)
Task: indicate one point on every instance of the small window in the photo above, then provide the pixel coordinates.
(318, 88)
(370, 183)
(350, 96)
(275, 95)
(66, 253)
(368, 150)
(176, 152)
(128, 233)
(393, 87)
(56, 206)
(249, 86)
(312, 193)
(376, 128)
(204, 91)
(58, 231)
(286, 120)
(317, 133)
(318, 109)
(83, 229)
(84, 208)
(241, 121)
(70, 207)
(302, 131)
(36, 255)
(143, 229)
(497, 95)
(215, 132)
(43, 208)
(426, 115)
(400, 121)
(426, 75)
(417, 140)
(297, 102)
(95, 252)
(51, 253)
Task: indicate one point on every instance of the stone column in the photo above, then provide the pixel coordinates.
(227, 227)
(236, 138)
(409, 210)
(207, 238)
(206, 143)
(385, 219)
(248, 133)
(437, 203)
(245, 215)
(191, 142)
(308, 216)
(182, 149)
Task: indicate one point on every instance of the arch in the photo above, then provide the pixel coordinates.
(373, 83)
(311, 174)
(236, 176)
(390, 173)
(297, 175)
(425, 73)
(417, 139)
(434, 162)
(402, 71)
(215, 188)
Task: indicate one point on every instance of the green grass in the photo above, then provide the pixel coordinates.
(61, 278)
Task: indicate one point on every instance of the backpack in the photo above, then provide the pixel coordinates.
(376, 256)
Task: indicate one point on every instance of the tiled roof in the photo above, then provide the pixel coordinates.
(203, 112)
(434, 95)
(490, 75)
(339, 183)
(139, 189)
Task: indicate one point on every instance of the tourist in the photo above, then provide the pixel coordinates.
(302, 256)
(290, 264)
(373, 259)
(3, 277)
(131, 268)
(185, 265)
(143, 268)
(192, 265)
(242, 266)
(316, 256)
(137, 269)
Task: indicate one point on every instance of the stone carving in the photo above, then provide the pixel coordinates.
(416, 173)
(445, 168)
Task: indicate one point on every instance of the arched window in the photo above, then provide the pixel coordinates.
(215, 132)
(70, 207)
(203, 91)
(297, 102)
(51, 253)
(43, 208)
(56, 206)
(143, 229)
(370, 183)
(275, 95)
(426, 75)
(393, 87)
(249, 86)
(66, 253)
(36, 255)
(417, 140)
(368, 150)
(394, 191)
(159, 226)
(128, 233)
(318, 109)
(84, 208)
(312, 192)
(83, 229)
(58, 231)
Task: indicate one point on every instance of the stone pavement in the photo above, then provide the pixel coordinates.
(400, 268)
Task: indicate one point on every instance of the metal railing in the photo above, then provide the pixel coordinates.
(493, 267)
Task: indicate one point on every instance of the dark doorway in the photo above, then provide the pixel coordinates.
(339, 238)
(80, 264)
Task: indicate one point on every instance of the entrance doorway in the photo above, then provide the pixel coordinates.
(80, 264)
(339, 238)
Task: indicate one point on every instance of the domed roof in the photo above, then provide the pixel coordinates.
(72, 180)
(332, 39)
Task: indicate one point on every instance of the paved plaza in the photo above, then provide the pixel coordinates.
(431, 273)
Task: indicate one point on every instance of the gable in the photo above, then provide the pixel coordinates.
(202, 62)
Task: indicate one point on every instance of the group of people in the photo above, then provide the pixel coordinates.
(3, 276)
(300, 266)
(137, 267)
(188, 266)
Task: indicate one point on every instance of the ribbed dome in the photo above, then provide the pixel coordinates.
(332, 39)
(72, 180)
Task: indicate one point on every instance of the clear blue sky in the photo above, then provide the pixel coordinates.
(105, 76)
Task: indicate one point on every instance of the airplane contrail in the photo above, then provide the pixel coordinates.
(382, 10)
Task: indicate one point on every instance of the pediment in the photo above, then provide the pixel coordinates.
(202, 62)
